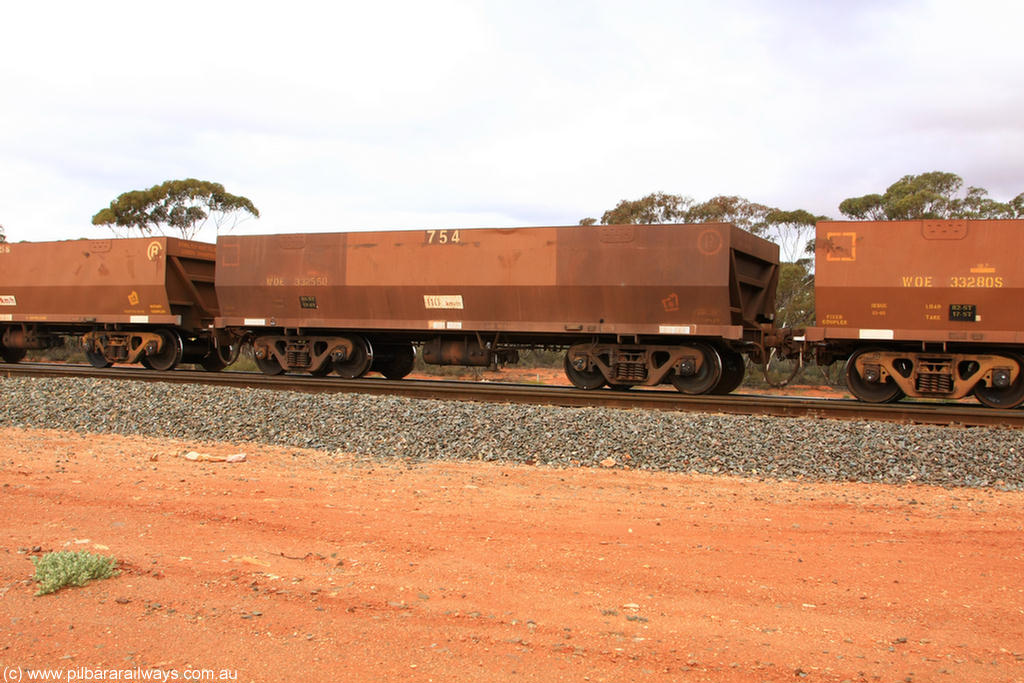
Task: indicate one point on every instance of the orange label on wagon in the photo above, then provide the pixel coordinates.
(841, 246)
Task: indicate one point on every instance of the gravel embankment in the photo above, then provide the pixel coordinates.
(392, 427)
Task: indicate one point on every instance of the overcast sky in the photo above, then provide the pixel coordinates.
(360, 115)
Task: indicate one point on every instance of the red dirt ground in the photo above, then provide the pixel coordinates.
(302, 565)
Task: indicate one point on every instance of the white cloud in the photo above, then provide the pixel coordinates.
(353, 115)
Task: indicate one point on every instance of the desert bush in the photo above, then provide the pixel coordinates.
(66, 568)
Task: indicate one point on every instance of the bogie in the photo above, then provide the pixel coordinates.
(884, 375)
(694, 368)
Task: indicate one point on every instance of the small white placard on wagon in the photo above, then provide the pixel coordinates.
(9, 300)
(673, 329)
(445, 324)
(877, 334)
(442, 301)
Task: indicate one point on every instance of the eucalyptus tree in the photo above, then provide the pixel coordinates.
(183, 205)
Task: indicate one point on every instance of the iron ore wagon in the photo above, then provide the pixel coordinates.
(634, 304)
(147, 300)
(923, 308)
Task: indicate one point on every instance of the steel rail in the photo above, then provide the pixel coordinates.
(911, 412)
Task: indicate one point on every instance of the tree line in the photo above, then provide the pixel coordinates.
(935, 195)
(930, 195)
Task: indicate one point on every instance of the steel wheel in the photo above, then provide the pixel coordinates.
(219, 356)
(212, 362)
(621, 387)
(323, 370)
(169, 356)
(357, 364)
(12, 355)
(870, 392)
(583, 379)
(269, 365)
(395, 362)
(707, 377)
(733, 369)
(1010, 397)
(97, 359)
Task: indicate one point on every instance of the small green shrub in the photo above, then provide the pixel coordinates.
(245, 361)
(66, 568)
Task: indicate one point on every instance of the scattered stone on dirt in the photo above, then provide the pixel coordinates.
(420, 430)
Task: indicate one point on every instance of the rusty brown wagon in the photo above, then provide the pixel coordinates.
(633, 304)
(928, 309)
(147, 300)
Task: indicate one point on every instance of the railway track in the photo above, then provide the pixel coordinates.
(912, 412)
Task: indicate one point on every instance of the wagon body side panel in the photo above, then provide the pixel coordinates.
(932, 281)
(580, 279)
(84, 281)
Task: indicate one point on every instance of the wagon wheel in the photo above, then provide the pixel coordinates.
(212, 362)
(97, 359)
(269, 365)
(771, 356)
(168, 357)
(1009, 397)
(358, 363)
(707, 378)
(12, 355)
(733, 369)
(870, 392)
(621, 387)
(583, 379)
(395, 362)
(220, 356)
(324, 369)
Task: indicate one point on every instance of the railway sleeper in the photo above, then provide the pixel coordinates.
(623, 365)
(931, 375)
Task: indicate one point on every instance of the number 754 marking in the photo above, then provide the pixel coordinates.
(443, 237)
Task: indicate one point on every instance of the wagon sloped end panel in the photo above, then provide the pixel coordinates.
(310, 302)
(190, 282)
(701, 280)
(706, 279)
(925, 308)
